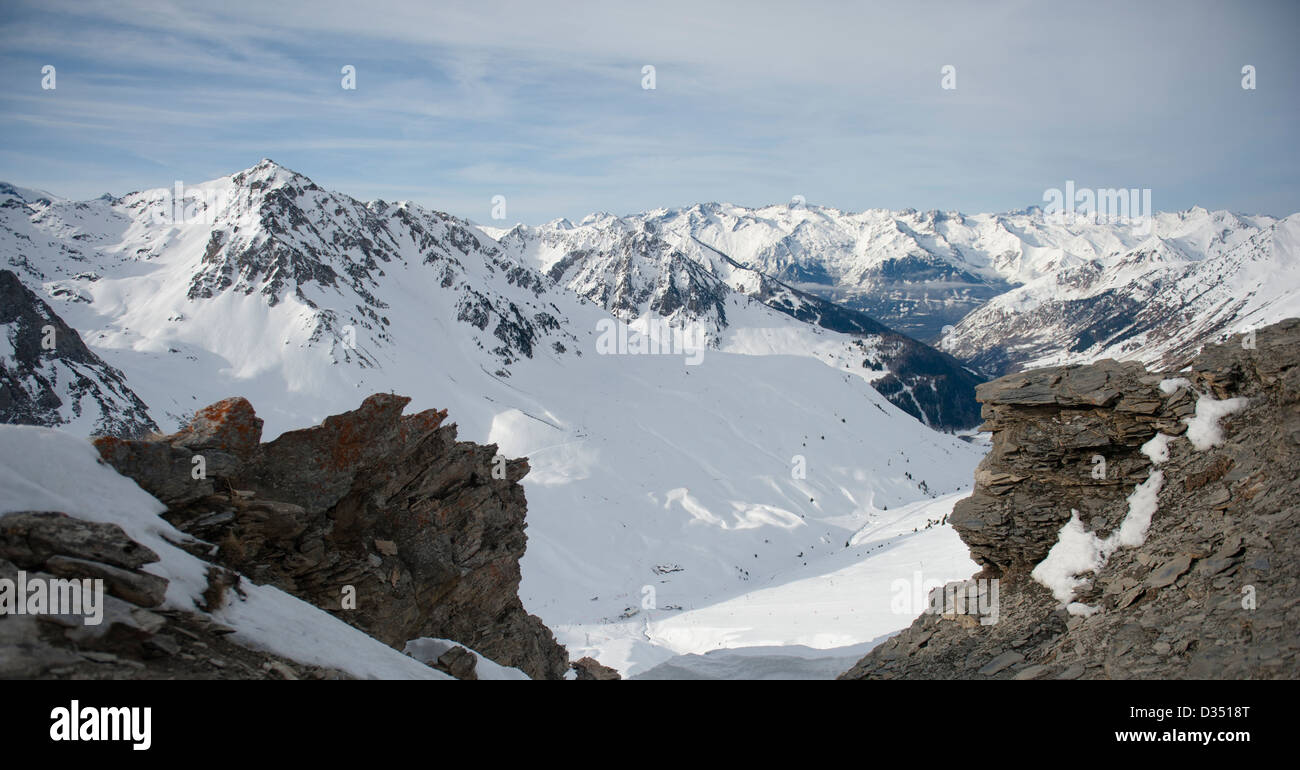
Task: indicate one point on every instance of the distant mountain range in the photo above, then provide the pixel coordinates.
(792, 440)
(1019, 289)
(318, 259)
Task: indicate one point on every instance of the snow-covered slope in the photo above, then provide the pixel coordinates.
(642, 271)
(834, 607)
(1157, 303)
(698, 473)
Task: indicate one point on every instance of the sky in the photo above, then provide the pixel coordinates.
(545, 104)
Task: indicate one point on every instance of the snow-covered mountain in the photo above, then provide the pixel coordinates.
(913, 271)
(638, 268)
(1200, 277)
(1022, 288)
(49, 377)
(662, 480)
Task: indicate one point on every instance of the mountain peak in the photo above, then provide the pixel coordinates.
(269, 174)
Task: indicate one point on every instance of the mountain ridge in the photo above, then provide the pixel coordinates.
(269, 228)
(695, 479)
(999, 291)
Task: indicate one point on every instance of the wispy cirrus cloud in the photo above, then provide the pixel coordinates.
(755, 102)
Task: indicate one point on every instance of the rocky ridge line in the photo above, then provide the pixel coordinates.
(385, 520)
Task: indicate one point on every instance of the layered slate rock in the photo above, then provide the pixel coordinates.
(1064, 439)
(384, 519)
(50, 546)
(136, 638)
(1214, 589)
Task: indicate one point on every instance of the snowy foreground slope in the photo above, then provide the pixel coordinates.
(807, 621)
(673, 479)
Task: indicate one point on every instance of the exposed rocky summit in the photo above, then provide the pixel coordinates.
(383, 519)
(1213, 588)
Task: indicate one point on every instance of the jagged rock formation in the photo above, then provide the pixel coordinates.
(1210, 592)
(49, 377)
(1049, 428)
(383, 519)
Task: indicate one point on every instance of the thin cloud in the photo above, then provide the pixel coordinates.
(754, 102)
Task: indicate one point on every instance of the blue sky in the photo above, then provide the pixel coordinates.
(754, 102)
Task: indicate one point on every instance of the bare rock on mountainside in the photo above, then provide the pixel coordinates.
(135, 638)
(1211, 590)
(385, 520)
(590, 669)
(49, 377)
(229, 426)
(62, 547)
(459, 662)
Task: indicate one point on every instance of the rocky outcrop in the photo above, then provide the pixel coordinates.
(126, 634)
(1063, 439)
(49, 377)
(458, 662)
(1209, 591)
(590, 669)
(385, 520)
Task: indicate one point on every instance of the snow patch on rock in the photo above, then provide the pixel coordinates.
(1203, 428)
(1078, 551)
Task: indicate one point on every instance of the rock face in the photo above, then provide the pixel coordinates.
(49, 377)
(590, 669)
(136, 639)
(383, 519)
(1063, 439)
(1210, 592)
